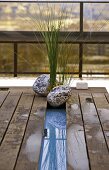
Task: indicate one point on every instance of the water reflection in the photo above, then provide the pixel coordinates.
(40, 112)
(104, 115)
(53, 151)
(76, 151)
(32, 147)
(76, 147)
(74, 107)
(89, 110)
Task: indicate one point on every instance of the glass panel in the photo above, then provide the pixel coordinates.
(96, 58)
(96, 17)
(33, 57)
(69, 55)
(6, 57)
(35, 16)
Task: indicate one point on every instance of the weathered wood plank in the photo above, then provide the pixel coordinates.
(107, 132)
(107, 96)
(22, 89)
(3, 95)
(98, 89)
(102, 106)
(107, 137)
(27, 158)
(11, 144)
(76, 146)
(6, 112)
(29, 153)
(90, 90)
(97, 149)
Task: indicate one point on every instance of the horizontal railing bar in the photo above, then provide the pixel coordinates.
(68, 42)
(63, 32)
(74, 37)
(48, 1)
(88, 73)
(94, 73)
(36, 72)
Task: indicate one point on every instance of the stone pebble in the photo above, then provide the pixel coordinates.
(58, 95)
(42, 84)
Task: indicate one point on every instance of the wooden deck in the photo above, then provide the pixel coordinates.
(21, 125)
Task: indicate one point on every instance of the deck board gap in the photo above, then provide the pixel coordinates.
(24, 134)
(4, 99)
(33, 132)
(100, 122)
(107, 95)
(10, 120)
(84, 133)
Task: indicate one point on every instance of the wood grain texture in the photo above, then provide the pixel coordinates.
(107, 132)
(76, 146)
(7, 111)
(98, 152)
(13, 138)
(90, 90)
(29, 153)
(3, 95)
(107, 96)
(21, 126)
(102, 106)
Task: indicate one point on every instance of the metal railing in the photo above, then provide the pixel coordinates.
(79, 37)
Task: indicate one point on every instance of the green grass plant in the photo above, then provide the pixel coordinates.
(50, 24)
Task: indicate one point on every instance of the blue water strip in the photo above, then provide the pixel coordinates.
(53, 148)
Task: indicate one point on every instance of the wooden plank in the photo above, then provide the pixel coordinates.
(98, 90)
(22, 88)
(6, 112)
(97, 149)
(107, 132)
(90, 90)
(107, 137)
(29, 153)
(11, 144)
(3, 95)
(102, 106)
(107, 96)
(76, 146)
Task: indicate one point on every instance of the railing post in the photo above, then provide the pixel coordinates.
(15, 59)
(81, 44)
(80, 59)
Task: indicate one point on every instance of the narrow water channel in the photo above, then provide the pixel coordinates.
(53, 148)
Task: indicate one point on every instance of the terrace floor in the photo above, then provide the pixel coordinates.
(21, 126)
